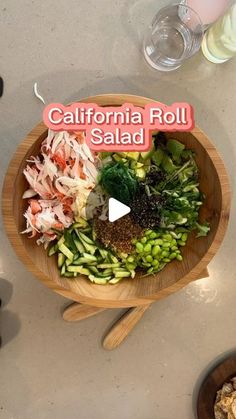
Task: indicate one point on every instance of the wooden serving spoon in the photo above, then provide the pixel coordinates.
(76, 312)
(121, 329)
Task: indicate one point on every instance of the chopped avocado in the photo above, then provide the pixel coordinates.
(116, 157)
(141, 173)
(134, 155)
(104, 154)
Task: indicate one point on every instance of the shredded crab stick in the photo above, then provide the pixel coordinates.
(60, 179)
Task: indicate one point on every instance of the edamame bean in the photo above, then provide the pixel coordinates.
(147, 248)
(149, 258)
(181, 243)
(130, 259)
(148, 232)
(152, 242)
(166, 260)
(167, 237)
(172, 255)
(164, 254)
(153, 235)
(143, 240)
(155, 250)
(184, 237)
(131, 266)
(139, 247)
(179, 257)
(166, 244)
(174, 248)
(150, 270)
(159, 241)
(155, 263)
(146, 264)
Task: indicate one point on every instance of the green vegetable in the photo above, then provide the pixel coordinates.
(52, 250)
(203, 229)
(79, 254)
(60, 259)
(156, 253)
(148, 154)
(168, 165)
(175, 148)
(63, 249)
(119, 182)
(157, 156)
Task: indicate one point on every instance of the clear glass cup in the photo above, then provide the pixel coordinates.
(175, 35)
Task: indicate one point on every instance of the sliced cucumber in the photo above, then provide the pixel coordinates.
(80, 223)
(90, 258)
(122, 274)
(93, 269)
(81, 261)
(68, 262)
(53, 249)
(103, 253)
(113, 258)
(79, 245)
(108, 265)
(61, 241)
(60, 259)
(63, 249)
(78, 269)
(63, 269)
(114, 280)
(85, 238)
(69, 274)
(98, 280)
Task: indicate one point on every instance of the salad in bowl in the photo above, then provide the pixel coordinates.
(69, 187)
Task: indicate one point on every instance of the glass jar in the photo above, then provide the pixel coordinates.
(219, 42)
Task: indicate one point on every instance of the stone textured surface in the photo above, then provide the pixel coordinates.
(50, 369)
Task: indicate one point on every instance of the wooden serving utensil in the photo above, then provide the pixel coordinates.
(121, 329)
(76, 312)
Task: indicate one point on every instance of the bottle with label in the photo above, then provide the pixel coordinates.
(219, 42)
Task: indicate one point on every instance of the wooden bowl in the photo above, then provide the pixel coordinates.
(129, 292)
(214, 381)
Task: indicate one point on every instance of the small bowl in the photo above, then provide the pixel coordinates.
(129, 292)
(214, 381)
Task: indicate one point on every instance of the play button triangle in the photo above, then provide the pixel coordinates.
(116, 210)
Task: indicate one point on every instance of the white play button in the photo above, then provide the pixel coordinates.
(116, 210)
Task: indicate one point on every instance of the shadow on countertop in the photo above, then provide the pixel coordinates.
(9, 321)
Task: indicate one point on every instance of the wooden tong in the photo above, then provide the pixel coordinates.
(121, 328)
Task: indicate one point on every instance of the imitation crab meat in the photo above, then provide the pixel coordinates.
(60, 180)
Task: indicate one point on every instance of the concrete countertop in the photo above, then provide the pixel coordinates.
(52, 369)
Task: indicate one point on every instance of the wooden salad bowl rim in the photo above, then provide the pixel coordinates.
(15, 239)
